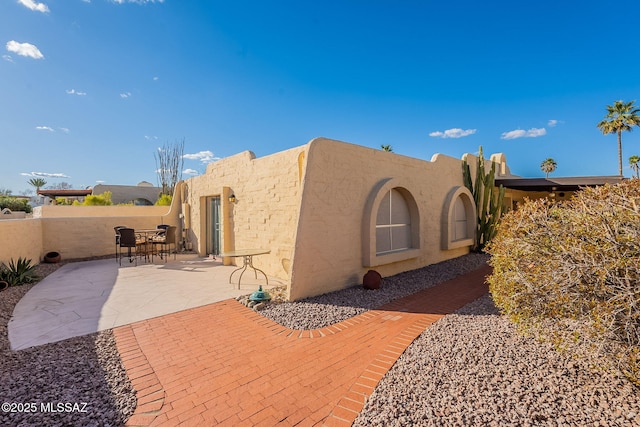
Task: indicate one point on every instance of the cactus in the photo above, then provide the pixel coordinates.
(488, 201)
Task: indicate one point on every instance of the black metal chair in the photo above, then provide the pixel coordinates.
(165, 239)
(128, 240)
(116, 229)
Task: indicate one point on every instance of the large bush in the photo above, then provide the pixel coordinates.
(575, 266)
(15, 204)
(164, 200)
(103, 199)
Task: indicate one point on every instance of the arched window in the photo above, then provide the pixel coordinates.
(391, 225)
(458, 219)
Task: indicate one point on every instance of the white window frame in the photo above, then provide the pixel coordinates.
(391, 224)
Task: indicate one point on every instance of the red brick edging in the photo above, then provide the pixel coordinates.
(149, 391)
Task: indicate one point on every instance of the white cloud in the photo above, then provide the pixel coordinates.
(50, 129)
(7, 58)
(552, 123)
(125, 95)
(65, 130)
(40, 7)
(150, 138)
(75, 92)
(190, 172)
(519, 133)
(203, 156)
(45, 175)
(453, 133)
(24, 49)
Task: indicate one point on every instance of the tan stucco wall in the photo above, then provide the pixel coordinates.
(20, 238)
(265, 213)
(338, 181)
(62, 211)
(308, 206)
(85, 231)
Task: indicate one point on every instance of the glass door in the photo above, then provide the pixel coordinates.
(213, 226)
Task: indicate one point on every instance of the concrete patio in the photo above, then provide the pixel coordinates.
(85, 297)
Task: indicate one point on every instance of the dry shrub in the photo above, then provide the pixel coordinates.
(575, 263)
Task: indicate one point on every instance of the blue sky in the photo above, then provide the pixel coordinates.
(90, 89)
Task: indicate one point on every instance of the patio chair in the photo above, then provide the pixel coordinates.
(129, 240)
(165, 239)
(116, 229)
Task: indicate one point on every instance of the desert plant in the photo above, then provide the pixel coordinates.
(103, 199)
(18, 272)
(575, 262)
(164, 200)
(169, 165)
(15, 204)
(63, 201)
(488, 201)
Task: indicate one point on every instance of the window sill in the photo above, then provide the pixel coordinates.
(458, 244)
(392, 257)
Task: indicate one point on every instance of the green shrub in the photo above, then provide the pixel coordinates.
(164, 200)
(577, 261)
(18, 272)
(63, 201)
(103, 199)
(15, 204)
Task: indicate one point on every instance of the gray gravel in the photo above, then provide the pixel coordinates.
(473, 369)
(324, 310)
(85, 371)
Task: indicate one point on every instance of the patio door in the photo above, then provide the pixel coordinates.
(213, 226)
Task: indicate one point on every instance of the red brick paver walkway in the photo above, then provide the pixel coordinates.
(223, 364)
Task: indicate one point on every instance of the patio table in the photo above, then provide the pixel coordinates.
(147, 234)
(247, 261)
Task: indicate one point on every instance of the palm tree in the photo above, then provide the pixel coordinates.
(621, 116)
(548, 166)
(38, 183)
(388, 148)
(633, 162)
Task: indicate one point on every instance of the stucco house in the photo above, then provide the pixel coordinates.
(329, 211)
(144, 193)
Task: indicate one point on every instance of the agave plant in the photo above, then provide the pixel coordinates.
(18, 272)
